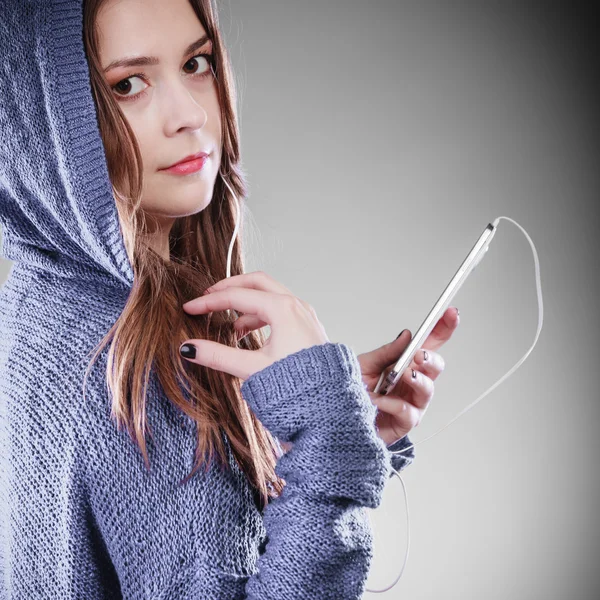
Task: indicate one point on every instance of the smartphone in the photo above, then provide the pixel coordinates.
(390, 376)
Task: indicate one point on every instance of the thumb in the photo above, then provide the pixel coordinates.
(389, 353)
(235, 361)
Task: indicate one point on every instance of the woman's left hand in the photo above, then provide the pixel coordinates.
(402, 409)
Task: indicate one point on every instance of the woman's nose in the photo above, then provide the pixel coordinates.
(182, 109)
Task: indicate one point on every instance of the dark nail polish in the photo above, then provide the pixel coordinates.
(457, 312)
(425, 355)
(414, 374)
(400, 333)
(188, 351)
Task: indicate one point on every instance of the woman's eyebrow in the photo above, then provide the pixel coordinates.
(140, 61)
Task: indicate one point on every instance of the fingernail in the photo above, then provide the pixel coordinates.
(400, 333)
(425, 355)
(414, 374)
(188, 350)
(457, 312)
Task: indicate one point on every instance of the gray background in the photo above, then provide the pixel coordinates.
(379, 139)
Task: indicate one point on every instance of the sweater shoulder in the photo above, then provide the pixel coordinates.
(48, 333)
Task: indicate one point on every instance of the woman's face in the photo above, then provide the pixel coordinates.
(171, 104)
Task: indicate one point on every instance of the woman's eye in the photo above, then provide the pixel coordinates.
(126, 91)
(205, 64)
(124, 87)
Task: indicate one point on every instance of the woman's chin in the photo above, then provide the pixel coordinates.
(180, 205)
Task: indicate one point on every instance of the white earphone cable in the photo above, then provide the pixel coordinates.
(519, 362)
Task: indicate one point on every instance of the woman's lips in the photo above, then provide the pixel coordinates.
(187, 167)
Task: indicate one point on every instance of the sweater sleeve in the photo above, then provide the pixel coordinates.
(403, 460)
(319, 539)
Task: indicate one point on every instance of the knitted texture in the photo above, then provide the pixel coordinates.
(80, 515)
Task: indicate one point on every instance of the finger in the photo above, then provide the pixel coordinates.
(406, 413)
(257, 280)
(430, 363)
(264, 305)
(443, 329)
(245, 324)
(422, 388)
(379, 359)
(235, 361)
(248, 323)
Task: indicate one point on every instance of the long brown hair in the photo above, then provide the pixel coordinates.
(147, 334)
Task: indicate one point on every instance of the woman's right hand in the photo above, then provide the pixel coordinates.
(264, 301)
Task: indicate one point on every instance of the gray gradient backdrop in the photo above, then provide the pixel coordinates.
(379, 139)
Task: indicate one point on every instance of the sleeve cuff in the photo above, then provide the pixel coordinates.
(290, 394)
(315, 399)
(403, 460)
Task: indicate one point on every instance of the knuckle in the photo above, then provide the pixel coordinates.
(310, 309)
(431, 388)
(215, 361)
(441, 363)
(425, 384)
(262, 275)
(416, 417)
(292, 302)
(402, 412)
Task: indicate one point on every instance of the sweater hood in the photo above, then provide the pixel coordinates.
(57, 209)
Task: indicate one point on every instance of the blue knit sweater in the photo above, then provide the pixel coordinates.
(80, 515)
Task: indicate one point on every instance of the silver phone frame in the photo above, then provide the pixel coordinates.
(390, 377)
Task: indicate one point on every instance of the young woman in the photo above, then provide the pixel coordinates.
(130, 466)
